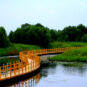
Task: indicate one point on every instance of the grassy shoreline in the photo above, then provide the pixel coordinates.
(57, 44)
(14, 49)
(75, 55)
(69, 56)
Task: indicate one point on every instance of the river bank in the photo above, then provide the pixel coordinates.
(74, 55)
(78, 55)
(14, 49)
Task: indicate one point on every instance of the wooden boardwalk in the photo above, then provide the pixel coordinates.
(29, 62)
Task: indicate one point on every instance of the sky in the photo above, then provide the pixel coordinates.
(54, 14)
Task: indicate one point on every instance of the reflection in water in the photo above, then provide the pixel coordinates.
(75, 67)
(44, 72)
(31, 82)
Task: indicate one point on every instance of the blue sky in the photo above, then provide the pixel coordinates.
(55, 14)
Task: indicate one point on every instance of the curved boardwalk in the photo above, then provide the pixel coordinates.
(29, 62)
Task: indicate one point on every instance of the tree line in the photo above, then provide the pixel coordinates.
(39, 35)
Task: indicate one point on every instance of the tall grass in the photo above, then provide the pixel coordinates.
(67, 44)
(14, 49)
(75, 55)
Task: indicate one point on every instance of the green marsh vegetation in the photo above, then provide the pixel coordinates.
(14, 49)
(75, 55)
(58, 44)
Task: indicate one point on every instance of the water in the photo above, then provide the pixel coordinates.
(58, 75)
(16, 56)
(49, 55)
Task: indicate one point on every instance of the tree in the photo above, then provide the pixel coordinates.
(26, 25)
(4, 41)
(84, 38)
(39, 35)
(39, 25)
(54, 35)
(59, 35)
(71, 32)
(31, 34)
(11, 36)
(82, 29)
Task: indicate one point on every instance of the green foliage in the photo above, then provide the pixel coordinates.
(4, 41)
(54, 35)
(84, 38)
(14, 49)
(39, 25)
(82, 29)
(57, 44)
(75, 55)
(39, 35)
(31, 34)
(11, 36)
(72, 33)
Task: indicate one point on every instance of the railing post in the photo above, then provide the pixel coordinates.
(28, 67)
(7, 69)
(19, 68)
(25, 67)
(14, 68)
(34, 63)
(0, 72)
(31, 66)
(3, 70)
(39, 61)
(10, 70)
(22, 68)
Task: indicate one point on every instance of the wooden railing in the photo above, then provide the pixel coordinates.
(49, 51)
(29, 61)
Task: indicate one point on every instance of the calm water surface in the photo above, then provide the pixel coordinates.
(58, 75)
